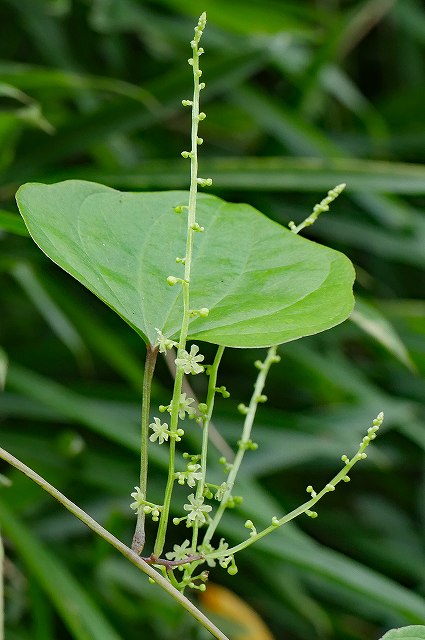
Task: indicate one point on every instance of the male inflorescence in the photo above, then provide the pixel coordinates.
(197, 512)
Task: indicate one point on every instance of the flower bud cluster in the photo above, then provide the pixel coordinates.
(250, 525)
(161, 432)
(140, 504)
(247, 445)
(191, 476)
(319, 208)
(348, 464)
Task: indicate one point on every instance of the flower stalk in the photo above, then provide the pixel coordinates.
(321, 207)
(185, 362)
(244, 443)
(212, 389)
(315, 497)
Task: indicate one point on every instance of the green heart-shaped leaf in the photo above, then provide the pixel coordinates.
(413, 632)
(262, 284)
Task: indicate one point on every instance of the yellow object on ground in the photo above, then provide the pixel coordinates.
(228, 605)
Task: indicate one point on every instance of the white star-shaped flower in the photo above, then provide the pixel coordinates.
(197, 509)
(164, 343)
(138, 499)
(180, 551)
(193, 474)
(184, 406)
(190, 361)
(160, 431)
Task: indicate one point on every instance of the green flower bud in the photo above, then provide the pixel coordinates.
(312, 514)
(243, 409)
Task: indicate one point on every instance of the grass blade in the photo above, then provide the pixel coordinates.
(78, 611)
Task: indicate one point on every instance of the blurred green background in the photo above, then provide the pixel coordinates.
(300, 96)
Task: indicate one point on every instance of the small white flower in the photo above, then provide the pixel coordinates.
(184, 406)
(164, 343)
(205, 549)
(193, 474)
(219, 494)
(189, 361)
(138, 499)
(160, 431)
(223, 545)
(197, 509)
(180, 551)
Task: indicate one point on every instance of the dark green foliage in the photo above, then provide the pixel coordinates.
(299, 97)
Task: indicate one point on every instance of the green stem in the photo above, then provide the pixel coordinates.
(163, 522)
(249, 420)
(139, 534)
(303, 508)
(191, 219)
(117, 544)
(215, 437)
(212, 384)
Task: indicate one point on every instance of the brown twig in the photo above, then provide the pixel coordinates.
(170, 564)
